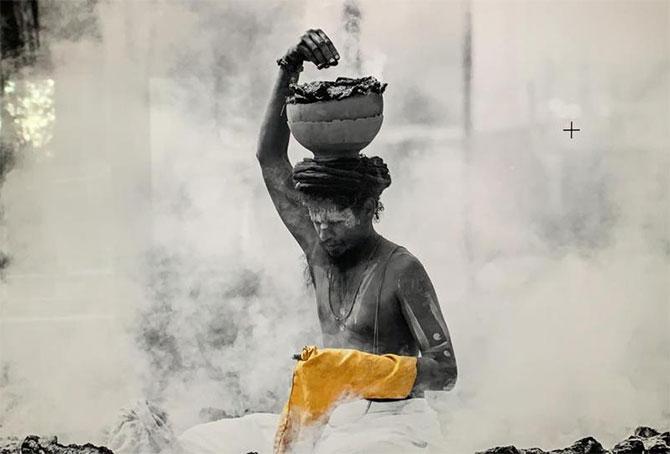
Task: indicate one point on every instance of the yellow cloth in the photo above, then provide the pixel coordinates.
(325, 377)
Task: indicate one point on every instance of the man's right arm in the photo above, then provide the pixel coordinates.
(274, 136)
(277, 171)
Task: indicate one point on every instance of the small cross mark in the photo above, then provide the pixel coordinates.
(571, 130)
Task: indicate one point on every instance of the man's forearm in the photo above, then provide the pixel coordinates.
(434, 375)
(274, 136)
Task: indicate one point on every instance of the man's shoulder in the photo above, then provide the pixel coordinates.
(407, 273)
(402, 260)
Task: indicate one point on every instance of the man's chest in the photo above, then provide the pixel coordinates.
(349, 301)
(352, 309)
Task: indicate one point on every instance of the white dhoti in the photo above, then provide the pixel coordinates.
(405, 426)
(250, 433)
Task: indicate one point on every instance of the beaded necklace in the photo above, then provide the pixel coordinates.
(344, 314)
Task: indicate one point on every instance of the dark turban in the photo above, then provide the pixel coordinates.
(358, 177)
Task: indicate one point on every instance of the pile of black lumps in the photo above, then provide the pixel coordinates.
(328, 90)
(644, 440)
(32, 444)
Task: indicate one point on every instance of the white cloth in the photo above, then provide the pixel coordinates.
(405, 426)
(254, 432)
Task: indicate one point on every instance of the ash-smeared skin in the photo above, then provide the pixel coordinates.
(341, 241)
(419, 305)
(328, 213)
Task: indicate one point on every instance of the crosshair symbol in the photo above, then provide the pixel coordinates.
(571, 129)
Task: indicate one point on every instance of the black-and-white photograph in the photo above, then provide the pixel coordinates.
(334, 227)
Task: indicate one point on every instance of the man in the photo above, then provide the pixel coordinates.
(372, 295)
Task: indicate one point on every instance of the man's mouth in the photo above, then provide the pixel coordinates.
(331, 246)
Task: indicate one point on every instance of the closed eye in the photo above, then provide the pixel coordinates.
(329, 223)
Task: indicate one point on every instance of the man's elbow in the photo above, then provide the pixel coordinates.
(449, 376)
(437, 373)
(267, 158)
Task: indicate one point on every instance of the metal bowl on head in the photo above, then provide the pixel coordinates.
(337, 128)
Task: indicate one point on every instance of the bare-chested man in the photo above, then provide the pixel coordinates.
(372, 295)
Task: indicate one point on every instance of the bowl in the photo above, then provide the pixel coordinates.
(337, 128)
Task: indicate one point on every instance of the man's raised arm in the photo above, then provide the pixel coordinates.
(272, 155)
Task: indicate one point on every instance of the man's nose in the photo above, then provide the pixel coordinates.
(325, 233)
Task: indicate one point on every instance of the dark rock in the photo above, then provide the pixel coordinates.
(33, 444)
(588, 445)
(512, 450)
(651, 439)
(659, 448)
(501, 450)
(645, 432)
(632, 445)
(645, 440)
(658, 443)
(9, 445)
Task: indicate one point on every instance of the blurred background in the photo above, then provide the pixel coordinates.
(141, 256)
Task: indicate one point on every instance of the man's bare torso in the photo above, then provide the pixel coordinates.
(409, 319)
(347, 315)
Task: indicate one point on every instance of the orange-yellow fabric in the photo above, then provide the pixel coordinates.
(324, 377)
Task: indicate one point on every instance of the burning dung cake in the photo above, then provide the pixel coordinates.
(336, 119)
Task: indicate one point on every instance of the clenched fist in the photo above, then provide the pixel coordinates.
(314, 46)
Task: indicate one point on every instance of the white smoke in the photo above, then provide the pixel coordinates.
(148, 261)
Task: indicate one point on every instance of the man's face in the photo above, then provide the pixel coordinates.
(339, 229)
